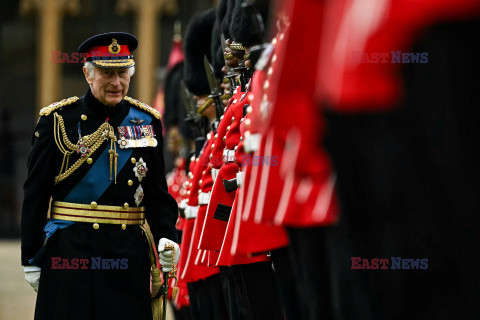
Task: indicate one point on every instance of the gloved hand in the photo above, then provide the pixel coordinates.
(32, 275)
(166, 255)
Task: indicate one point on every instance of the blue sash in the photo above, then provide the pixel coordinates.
(93, 184)
(97, 179)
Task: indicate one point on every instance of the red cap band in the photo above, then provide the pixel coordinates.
(105, 51)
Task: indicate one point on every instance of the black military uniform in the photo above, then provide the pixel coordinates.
(113, 181)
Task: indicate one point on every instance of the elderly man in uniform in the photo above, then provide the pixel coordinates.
(97, 164)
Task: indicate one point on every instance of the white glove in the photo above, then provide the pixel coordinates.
(32, 275)
(166, 255)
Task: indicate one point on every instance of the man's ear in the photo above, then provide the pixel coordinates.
(85, 72)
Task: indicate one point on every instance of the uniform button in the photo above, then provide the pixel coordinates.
(270, 71)
(247, 123)
(192, 159)
(37, 134)
(190, 175)
(203, 172)
(228, 128)
(241, 139)
(213, 146)
(210, 157)
(216, 135)
(89, 160)
(233, 119)
(274, 58)
(266, 85)
(93, 204)
(130, 182)
(125, 205)
(234, 101)
(96, 226)
(84, 117)
(188, 192)
(200, 182)
(124, 226)
(133, 160)
(250, 97)
(224, 139)
(274, 41)
(249, 109)
(221, 118)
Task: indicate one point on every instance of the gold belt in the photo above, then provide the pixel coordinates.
(94, 213)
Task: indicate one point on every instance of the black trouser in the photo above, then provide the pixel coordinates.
(251, 292)
(408, 182)
(207, 299)
(308, 258)
(286, 275)
(182, 314)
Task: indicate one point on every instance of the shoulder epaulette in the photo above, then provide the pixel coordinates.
(144, 107)
(56, 105)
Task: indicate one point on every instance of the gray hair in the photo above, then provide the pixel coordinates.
(91, 68)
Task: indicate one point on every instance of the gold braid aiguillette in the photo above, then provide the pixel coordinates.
(66, 147)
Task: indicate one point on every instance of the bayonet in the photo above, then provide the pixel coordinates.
(214, 88)
(190, 110)
(193, 119)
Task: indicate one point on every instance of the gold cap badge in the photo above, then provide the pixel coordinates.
(114, 47)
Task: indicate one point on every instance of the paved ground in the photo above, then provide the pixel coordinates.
(17, 298)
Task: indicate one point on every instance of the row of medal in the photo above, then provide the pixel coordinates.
(136, 137)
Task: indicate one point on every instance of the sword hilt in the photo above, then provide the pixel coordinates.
(171, 274)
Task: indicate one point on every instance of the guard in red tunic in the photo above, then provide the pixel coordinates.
(206, 297)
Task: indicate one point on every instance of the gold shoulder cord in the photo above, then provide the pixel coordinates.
(144, 107)
(57, 105)
(92, 141)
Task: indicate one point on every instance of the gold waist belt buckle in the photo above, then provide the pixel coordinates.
(94, 213)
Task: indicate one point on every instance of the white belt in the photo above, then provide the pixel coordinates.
(228, 155)
(203, 197)
(252, 142)
(214, 173)
(239, 178)
(191, 212)
(183, 204)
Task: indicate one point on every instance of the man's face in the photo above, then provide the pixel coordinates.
(109, 85)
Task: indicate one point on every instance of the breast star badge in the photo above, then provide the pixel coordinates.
(138, 195)
(140, 169)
